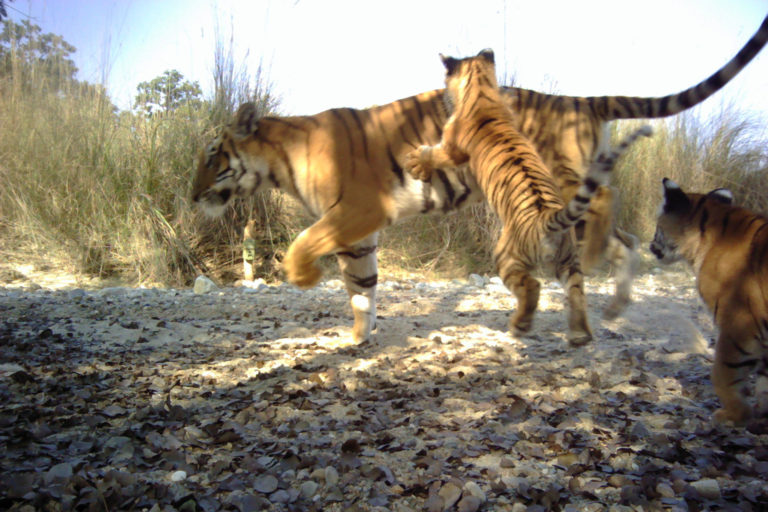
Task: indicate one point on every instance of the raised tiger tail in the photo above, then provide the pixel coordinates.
(599, 174)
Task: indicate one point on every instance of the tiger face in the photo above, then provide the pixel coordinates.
(726, 247)
(460, 73)
(672, 232)
(233, 165)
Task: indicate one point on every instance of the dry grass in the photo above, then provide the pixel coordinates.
(93, 191)
(701, 154)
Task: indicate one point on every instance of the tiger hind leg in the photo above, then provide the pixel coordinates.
(568, 271)
(734, 359)
(621, 255)
(518, 279)
(359, 270)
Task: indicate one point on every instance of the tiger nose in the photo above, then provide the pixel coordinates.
(655, 250)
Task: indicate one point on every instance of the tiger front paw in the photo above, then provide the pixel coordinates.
(303, 277)
(299, 270)
(416, 166)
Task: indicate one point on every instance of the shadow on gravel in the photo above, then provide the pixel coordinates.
(248, 401)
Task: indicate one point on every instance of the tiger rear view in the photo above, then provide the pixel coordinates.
(727, 247)
(536, 221)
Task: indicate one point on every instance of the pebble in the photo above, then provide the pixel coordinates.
(331, 476)
(308, 488)
(178, 476)
(280, 496)
(665, 490)
(476, 280)
(473, 489)
(708, 488)
(204, 285)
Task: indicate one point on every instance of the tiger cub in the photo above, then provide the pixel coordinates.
(727, 247)
(519, 187)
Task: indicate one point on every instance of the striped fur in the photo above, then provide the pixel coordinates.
(727, 247)
(322, 159)
(518, 185)
(346, 167)
(569, 131)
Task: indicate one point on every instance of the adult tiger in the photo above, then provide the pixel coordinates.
(569, 131)
(535, 219)
(727, 247)
(347, 151)
(345, 167)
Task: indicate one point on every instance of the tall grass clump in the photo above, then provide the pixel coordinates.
(727, 149)
(92, 190)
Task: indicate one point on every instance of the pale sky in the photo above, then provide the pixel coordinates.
(321, 54)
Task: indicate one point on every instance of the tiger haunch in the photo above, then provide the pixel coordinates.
(727, 247)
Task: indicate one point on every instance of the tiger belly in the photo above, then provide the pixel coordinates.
(444, 192)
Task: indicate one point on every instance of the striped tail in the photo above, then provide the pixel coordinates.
(599, 174)
(619, 107)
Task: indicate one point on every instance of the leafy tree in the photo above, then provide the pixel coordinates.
(167, 92)
(27, 56)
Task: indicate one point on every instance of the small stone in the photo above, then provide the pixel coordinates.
(507, 462)
(665, 490)
(476, 280)
(178, 476)
(59, 473)
(331, 476)
(708, 488)
(280, 496)
(450, 494)
(265, 484)
(469, 504)
(473, 489)
(204, 285)
(308, 489)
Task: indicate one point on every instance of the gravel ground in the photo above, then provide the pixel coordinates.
(253, 398)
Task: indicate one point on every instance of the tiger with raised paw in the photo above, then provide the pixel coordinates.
(523, 192)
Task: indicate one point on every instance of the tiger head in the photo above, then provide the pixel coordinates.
(235, 164)
(460, 73)
(678, 221)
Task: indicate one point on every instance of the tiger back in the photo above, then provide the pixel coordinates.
(522, 191)
(727, 247)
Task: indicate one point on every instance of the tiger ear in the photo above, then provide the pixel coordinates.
(487, 54)
(450, 64)
(722, 195)
(675, 200)
(246, 120)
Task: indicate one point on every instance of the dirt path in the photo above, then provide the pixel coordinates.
(253, 399)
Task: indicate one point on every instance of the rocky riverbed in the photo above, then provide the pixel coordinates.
(253, 398)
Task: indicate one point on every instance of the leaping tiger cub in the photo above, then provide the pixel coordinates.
(536, 221)
(727, 247)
